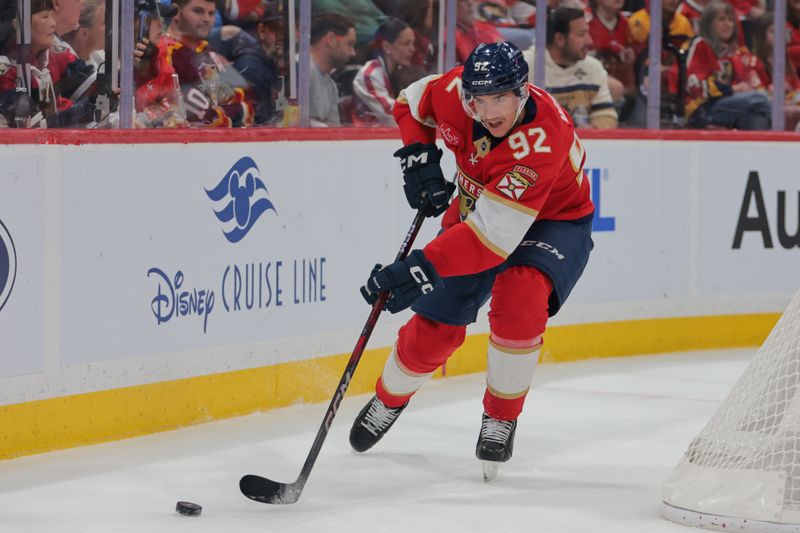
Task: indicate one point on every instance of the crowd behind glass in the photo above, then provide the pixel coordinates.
(238, 63)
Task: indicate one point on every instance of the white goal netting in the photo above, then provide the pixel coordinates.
(742, 472)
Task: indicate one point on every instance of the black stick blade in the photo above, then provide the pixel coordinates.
(265, 490)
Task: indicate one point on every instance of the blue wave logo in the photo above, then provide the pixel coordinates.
(240, 199)
(8, 264)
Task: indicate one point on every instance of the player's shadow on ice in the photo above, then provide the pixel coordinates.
(408, 479)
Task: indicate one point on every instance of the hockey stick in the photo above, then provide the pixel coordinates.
(265, 490)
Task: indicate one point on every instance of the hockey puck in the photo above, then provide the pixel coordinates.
(188, 509)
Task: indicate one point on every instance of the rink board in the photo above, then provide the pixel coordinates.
(147, 296)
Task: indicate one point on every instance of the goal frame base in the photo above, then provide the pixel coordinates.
(730, 524)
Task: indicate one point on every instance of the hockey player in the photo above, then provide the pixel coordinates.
(520, 234)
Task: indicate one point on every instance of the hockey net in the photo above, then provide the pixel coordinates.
(742, 472)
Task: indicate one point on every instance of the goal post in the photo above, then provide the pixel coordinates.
(742, 472)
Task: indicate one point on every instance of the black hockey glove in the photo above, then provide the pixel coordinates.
(423, 177)
(405, 280)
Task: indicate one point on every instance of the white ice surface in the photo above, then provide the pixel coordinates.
(593, 446)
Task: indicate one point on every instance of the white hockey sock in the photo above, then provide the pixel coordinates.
(510, 366)
(397, 380)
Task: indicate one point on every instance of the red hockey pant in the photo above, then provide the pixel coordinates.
(517, 320)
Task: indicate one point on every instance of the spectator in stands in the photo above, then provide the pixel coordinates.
(363, 14)
(54, 78)
(471, 32)
(254, 57)
(16, 107)
(269, 29)
(763, 44)
(418, 14)
(693, 10)
(554, 4)
(155, 13)
(158, 97)
(749, 9)
(374, 95)
(676, 34)
(88, 42)
(213, 94)
(333, 38)
(523, 12)
(67, 16)
(723, 88)
(89, 39)
(676, 28)
(793, 29)
(506, 13)
(577, 80)
(612, 46)
(495, 12)
(244, 13)
(79, 76)
(500, 14)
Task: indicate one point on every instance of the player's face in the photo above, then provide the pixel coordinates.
(343, 48)
(578, 42)
(498, 112)
(722, 26)
(401, 50)
(196, 18)
(43, 27)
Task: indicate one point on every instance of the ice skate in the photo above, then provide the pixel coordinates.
(495, 444)
(372, 423)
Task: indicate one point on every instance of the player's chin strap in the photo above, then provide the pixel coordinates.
(522, 93)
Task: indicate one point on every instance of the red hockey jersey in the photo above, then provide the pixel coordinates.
(504, 185)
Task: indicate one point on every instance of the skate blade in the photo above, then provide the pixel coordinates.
(489, 470)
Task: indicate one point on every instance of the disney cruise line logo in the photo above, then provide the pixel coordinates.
(240, 198)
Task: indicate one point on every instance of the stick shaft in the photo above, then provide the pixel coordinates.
(358, 351)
